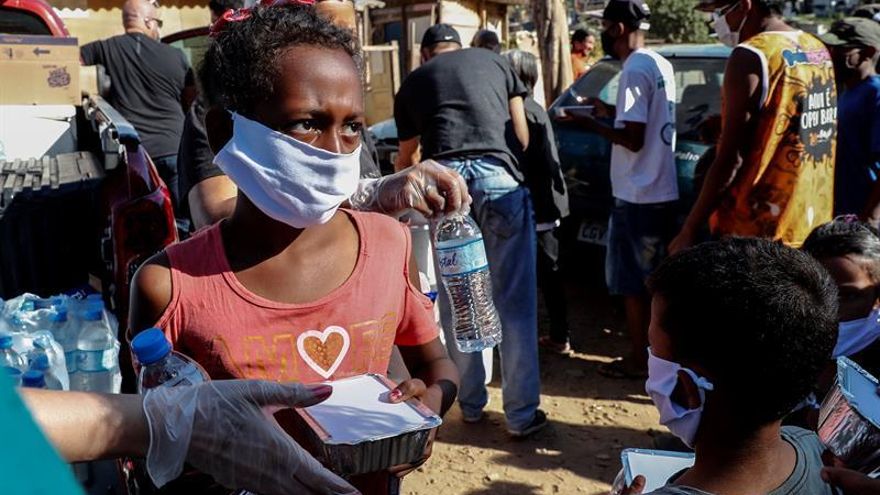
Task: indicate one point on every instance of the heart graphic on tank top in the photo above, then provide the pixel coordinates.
(323, 351)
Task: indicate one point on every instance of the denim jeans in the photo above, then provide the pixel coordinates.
(503, 210)
(166, 166)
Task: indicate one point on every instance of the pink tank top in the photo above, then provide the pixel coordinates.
(234, 333)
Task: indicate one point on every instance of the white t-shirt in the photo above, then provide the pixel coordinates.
(646, 94)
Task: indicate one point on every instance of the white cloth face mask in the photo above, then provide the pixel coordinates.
(662, 380)
(726, 35)
(288, 180)
(855, 335)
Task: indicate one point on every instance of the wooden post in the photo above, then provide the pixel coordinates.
(552, 28)
(407, 47)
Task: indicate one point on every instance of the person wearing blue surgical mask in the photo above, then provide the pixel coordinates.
(740, 330)
(850, 251)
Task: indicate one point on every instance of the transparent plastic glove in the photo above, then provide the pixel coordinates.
(428, 187)
(226, 429)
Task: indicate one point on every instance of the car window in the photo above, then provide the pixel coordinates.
(14, 21)
(697, 84)
(601, 81)
(193, 49)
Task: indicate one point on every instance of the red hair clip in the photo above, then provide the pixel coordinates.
(239, 15)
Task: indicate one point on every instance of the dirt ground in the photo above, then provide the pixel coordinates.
(592, 419)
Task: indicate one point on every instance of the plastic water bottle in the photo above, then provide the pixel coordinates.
(8, 356)
(65, 332)
(97, 356)
(464, 269)
(33, 379)
(161, 366)
(41, 364)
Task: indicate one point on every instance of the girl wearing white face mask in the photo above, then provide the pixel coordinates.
(291, 287)
(850, 251)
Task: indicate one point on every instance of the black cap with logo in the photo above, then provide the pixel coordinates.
(634, 13)
(440, 33)
(853, 31)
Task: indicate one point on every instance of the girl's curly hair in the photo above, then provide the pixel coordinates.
(241, 64)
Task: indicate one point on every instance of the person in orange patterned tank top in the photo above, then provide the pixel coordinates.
(290, 288)
(773, 176)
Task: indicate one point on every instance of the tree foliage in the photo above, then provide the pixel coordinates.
(676, 21)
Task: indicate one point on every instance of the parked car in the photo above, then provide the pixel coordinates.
(384, 136)
(586, 156)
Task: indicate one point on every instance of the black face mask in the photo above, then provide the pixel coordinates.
(608, 44)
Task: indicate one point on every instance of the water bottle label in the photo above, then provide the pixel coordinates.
(104, 360)
(462, 259)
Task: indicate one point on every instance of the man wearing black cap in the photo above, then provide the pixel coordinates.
(854, 44)
(456, 107)
(643, 174)
(773, 173)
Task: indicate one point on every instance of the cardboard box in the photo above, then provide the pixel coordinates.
(39, 70)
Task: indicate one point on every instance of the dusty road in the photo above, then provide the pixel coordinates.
(592, 419)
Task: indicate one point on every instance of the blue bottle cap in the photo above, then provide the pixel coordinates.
(93, 314)
(5, 341)
(150, 346)
(33, 379)
(41, 363)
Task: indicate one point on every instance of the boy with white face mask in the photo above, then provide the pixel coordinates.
(773, 174)
(740, 330)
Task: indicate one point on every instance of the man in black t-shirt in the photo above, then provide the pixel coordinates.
(151, 84)
(456, 107)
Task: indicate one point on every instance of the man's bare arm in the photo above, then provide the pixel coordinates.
(408, 154)
(212, 200)
(741, 95)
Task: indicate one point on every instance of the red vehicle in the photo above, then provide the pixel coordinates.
(129, 218)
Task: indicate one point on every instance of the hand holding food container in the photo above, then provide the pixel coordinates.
(213, 425)
(361, 428)
(849, 420)
(648, 470)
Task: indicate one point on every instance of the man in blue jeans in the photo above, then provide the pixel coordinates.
(455, 107)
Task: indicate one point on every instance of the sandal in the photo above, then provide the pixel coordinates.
(563, 349)
(618, 369)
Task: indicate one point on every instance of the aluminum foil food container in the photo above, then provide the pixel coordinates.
(849, 420)
(356, 431)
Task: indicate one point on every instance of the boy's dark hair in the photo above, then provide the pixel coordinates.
(525, 66)
(241, 64)
(219, 7)
(580, 35)
(847, 237)
(759, 317)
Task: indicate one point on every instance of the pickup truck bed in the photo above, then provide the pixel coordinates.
(49, 222)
